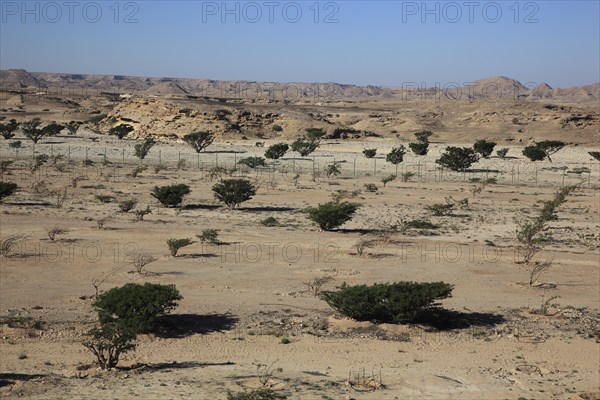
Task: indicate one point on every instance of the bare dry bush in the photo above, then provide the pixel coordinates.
(10, 245)
(314, 285)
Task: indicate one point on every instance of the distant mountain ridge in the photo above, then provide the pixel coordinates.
(500, 86)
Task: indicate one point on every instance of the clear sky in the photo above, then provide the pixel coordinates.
(355, 42)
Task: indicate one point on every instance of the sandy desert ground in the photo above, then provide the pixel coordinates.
(243, 296)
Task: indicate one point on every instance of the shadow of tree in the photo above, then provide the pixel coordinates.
(174, 365)
(442, 319)
(201, 206)
(266, 209)
(183, 325)
(197, 255)
(7, 379)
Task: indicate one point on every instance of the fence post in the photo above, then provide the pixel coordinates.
(217, 159)
(159, 157)
(69, 153)
(123, 156)
(374, 167)
(354, 166)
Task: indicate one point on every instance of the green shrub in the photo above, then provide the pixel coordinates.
(502, 152)
(315, 133)
(333, 169)
(544, 149)
(52, 129)
(103, 198)
(209, 236)
(233, 192)
(269, 222)
(176, 244)
(419, 148)
(141, 149)
(332, 215)
(370, 153)
(256, 394)
(170, 196)
(121, 130)
(253, 162)
(7, 130)
(15, 145)
(440, 209)
(136, 305)
(397, 302)
(7, 189)
(199, 140)
(484, 147)
(277, 151)
(73, 127)
(396, 155)
(123, 313)
(534, 153)
(305, 147)
(277, 128)
(457, 158)
(418, 224)
(32, 130)
(423, 136)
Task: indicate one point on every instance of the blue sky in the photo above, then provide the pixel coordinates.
(355, 42)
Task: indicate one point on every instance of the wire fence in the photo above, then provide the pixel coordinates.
(80, 160)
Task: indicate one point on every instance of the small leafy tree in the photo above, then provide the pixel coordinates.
(419, 148)
(315, 133)
(484, 147)
(534, 153)
(52, 129)
(332, 215)
(199, 140)
(125, 312)
(333, 169)
(176, 244)
(544, 149)
(276, 151)
(253, 162)
(595, 154)
(305, 147)
(7, 189)
(502, 152)
(423, 136)
(142, 149)
(73, 127)
(32, 130)
(108, 342)
(370, 153)
(120, 130)
(7, 130)
(550, 147)
(233, 192)
(396, 155)
(172, 195)
(398, 302)
(457, 158)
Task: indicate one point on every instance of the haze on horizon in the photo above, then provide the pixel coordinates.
(353, 42)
